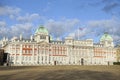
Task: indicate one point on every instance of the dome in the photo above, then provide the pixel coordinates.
(107, 37)
(41, 29)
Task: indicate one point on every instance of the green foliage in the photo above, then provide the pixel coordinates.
(116, 63)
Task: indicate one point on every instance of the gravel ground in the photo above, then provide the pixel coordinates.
(60, 73)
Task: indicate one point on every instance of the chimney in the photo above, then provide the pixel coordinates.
(20, 36)
(31, 37)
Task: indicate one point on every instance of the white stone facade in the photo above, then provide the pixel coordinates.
(40, 50)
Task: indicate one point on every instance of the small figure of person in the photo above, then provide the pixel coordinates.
(108, 63)
(82, 61)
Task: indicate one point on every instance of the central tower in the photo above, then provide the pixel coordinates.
(41, 34)
(107, 40)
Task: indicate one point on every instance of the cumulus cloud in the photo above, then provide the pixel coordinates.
(61, 28)
(22, 24)
(28, 17)
(21, 29)
(56, 28)
(111, 7)
(67, 27)
(108, 6)
(92, 29)
(96, 28)
(7, 10)
(16, 30)
(2, 23)
(83, 32)
(3, 28)
(111, 26)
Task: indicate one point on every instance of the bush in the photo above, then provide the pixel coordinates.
(116, 63)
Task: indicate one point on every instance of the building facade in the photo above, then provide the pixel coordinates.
(40, 49)
(1, 56)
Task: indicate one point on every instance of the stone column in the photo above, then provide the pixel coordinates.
(20, 56)
(33, 53)
(15, 55)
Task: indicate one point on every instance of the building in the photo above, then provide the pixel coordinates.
(40, 49)
(118, 53)
(1, 56)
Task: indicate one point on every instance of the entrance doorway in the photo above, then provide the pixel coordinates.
(55, 62)
(82, 61)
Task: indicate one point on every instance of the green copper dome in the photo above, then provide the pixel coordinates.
(107, 37)
(41, 29)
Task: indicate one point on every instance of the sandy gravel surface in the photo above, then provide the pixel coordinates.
(60, 73)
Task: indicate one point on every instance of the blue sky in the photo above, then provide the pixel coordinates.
(61, 18)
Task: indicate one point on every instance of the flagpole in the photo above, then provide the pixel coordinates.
(78, 34)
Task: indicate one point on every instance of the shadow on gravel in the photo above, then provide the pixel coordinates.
(3, 68)
(61, 75)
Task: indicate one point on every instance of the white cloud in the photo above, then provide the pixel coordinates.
(28, 17)
(2, 24)
(13, 28)
(16, 30)
(7, 10)
(112, 26)
(3, 29)
(96, 28)
(79, 33)
(25, 29)
(61, 28)
(11, 16)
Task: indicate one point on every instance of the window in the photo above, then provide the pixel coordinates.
(26, 58)
(23, 57)
(16, 57)
(34, 58)
(25, 46)
(25, 51)
(12, 58)
(29, 58)
(109, 42)
(42, 37)
(31, 51)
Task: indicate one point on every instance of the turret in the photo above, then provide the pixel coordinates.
(107, 40)
(41, 34)
(69, 40)
(31, 37)
(21, 37)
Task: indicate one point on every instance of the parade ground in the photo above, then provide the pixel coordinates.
(60, 73)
